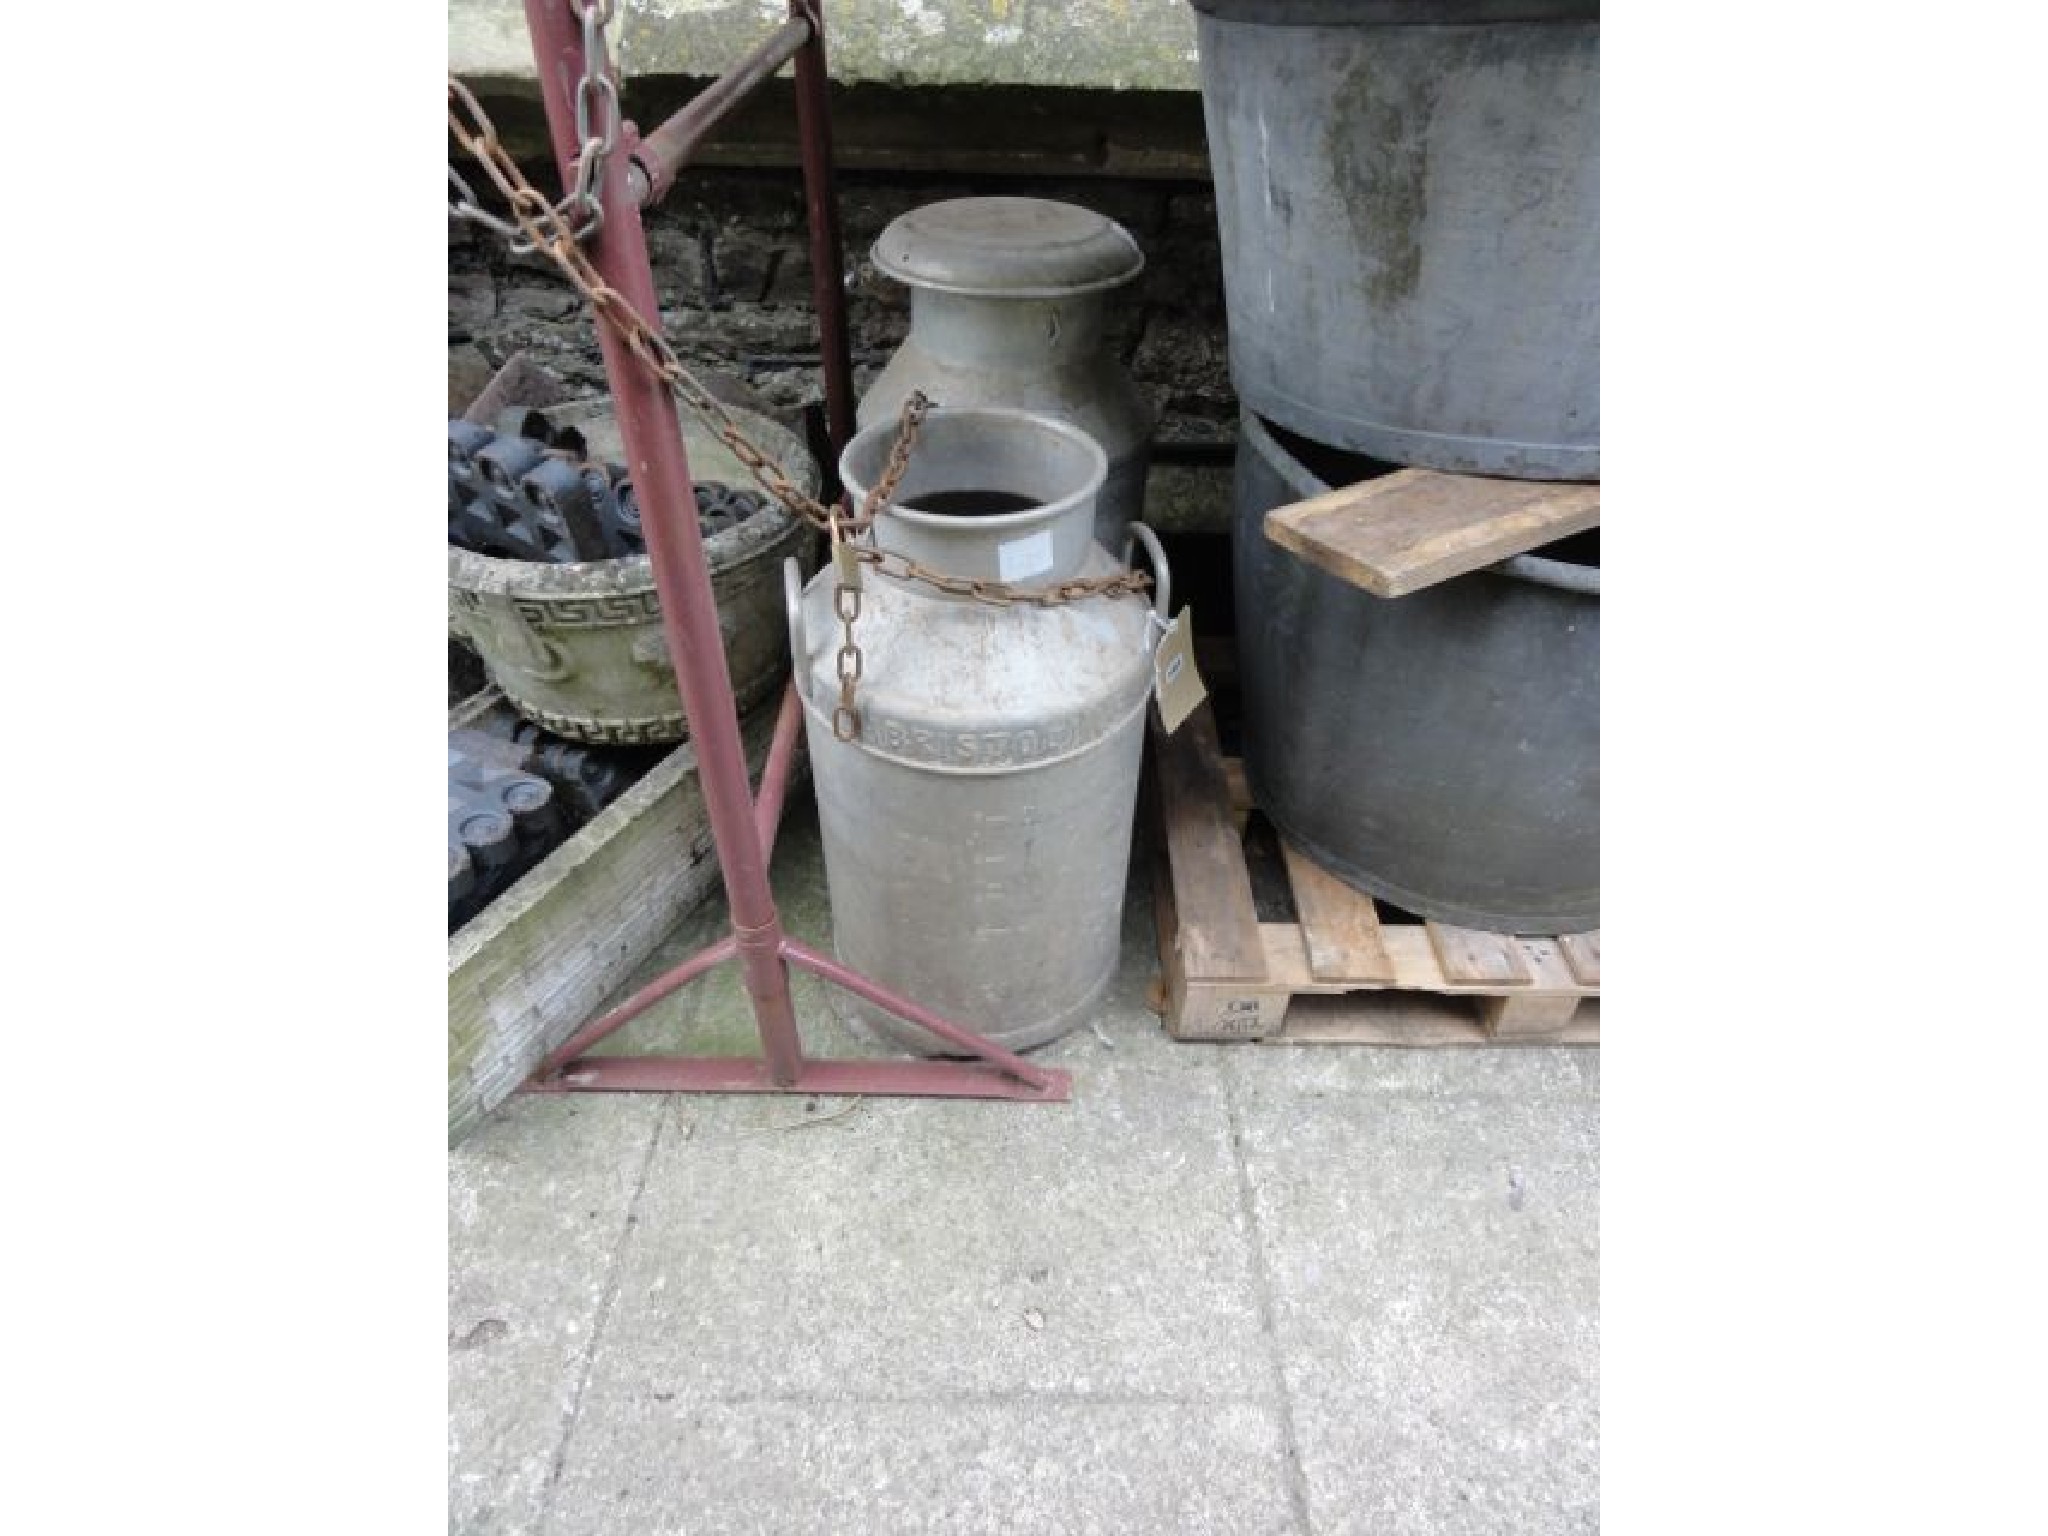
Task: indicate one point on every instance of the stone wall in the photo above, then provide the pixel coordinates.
(733, 275)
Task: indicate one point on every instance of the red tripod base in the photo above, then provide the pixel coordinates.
(742, 822)
(994, 1074)
(749, 1074)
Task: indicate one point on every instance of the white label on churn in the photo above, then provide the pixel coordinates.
(1022, 559)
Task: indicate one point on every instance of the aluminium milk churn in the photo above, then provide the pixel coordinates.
(977, 828)
(1008, 298)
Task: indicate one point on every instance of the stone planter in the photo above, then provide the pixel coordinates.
(578, 648)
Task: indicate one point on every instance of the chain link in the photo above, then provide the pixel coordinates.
(847, 558)
(462, 204)
(851, 663)
(538, 225)
(908, 424)
(597, 135)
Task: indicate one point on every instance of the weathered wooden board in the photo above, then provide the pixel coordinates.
(539, 961)
(1582, 954)
(1476, 958)
(1242, 1008)
(1417, 527)
(1417, 1019)
(1340, 926)
(1212, 890)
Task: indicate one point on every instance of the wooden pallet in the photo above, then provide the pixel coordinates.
(1340, 973)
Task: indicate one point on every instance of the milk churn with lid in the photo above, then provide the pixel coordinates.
(1008, 302)
(977, 825)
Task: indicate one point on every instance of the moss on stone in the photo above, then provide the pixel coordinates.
(1114, 44)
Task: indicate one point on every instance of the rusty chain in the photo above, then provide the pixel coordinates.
(547, 228)
(850, 661)
(540, 226)
(846, 564)
(597, 135)
(908, 425)
(595, 139)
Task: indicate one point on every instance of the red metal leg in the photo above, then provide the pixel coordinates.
(748, 1074)
(821, 206)
(669, 981)
(903, 1008)
(664, 152)
(661, 474)
(775, 772)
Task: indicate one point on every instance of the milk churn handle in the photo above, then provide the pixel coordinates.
(1162, 583)
(793, 603)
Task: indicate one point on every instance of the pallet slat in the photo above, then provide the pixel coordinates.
(1582, 954)
(1415, 1019)
(1478, 959)
(1340, 926)
(1212, 890)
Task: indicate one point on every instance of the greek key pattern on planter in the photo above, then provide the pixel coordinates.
(651, 731)
(607, 608)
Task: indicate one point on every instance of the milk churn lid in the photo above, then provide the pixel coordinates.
(1008, 247)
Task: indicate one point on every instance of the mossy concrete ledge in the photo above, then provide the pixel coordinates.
(1141, 45)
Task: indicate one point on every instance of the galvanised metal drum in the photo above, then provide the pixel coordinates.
(1008, 298)
(1408, 197)
(977, 831)
(1442, 749)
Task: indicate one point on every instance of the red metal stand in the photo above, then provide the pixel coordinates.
(742, 826)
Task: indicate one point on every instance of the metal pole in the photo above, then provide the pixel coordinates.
(631, 1009)
(917, 1013)
(660, 470)
(775, 772)
(664, 152)
(821, 204)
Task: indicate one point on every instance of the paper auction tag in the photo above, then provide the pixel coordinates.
(1175, 682)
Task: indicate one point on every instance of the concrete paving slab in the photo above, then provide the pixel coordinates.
(538, 1198)
(1516, 1073)
(913, 1248)
(1433, 1264)
(1455, 1466)
(1228, 1288)
(951, 1468)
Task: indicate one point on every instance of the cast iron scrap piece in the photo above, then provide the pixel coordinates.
(526, 490)
(499, 767)
(501, 821)
(586, 778)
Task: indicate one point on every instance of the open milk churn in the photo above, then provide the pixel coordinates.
(977, 825)
(1008, 302)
